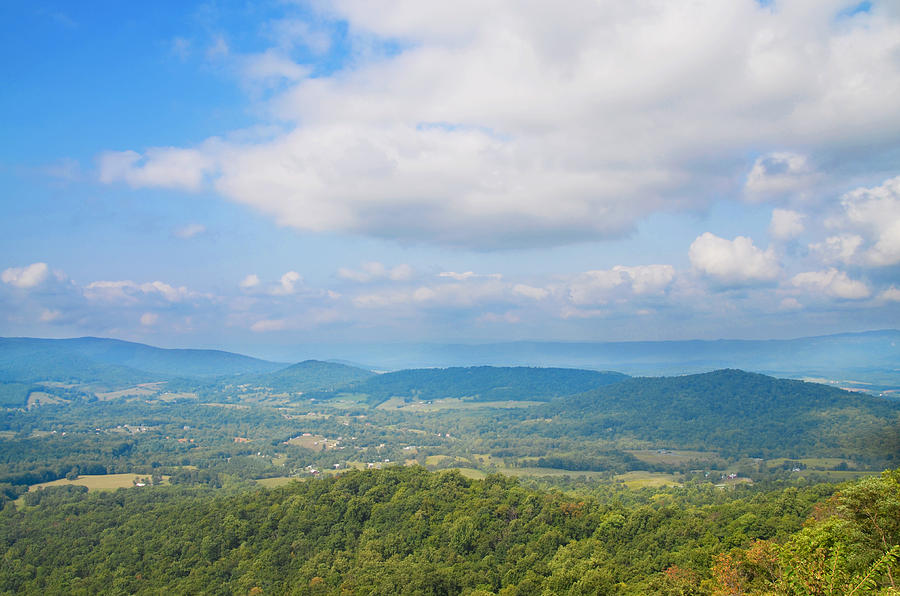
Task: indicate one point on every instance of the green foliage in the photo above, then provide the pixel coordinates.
(730, 411)
(394, 531)
(482, 383)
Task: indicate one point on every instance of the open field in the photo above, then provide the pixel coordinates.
(40, 398)
(276, 481)
(142, 390)
(813, 463)
(97, 482)
(671, 456)
(314, 442)
(647, 479)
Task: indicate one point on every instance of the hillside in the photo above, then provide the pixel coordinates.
(408, 531)
(92, 359)
(482, 383)
(311, 375)
(733, 412)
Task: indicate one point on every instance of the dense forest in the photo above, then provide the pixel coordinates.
(409, 531)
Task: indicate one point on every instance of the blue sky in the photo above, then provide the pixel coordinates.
(248, 175)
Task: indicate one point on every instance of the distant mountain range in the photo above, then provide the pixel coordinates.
(870, 357)
(94, 359)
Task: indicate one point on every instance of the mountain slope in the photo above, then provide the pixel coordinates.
(482, 383)
(311, 375)
(731, 411)
(91, 359)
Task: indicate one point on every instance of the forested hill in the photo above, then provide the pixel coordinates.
(734, 412)
(311, 375)
(92, 359)
(482, 383)
(405, 531)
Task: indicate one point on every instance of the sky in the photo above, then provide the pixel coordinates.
(251, 175)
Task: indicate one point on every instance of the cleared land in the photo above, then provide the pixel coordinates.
(97, 482)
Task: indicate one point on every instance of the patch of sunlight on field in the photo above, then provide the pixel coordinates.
(647, 479)
(276, 481)
(98, 482)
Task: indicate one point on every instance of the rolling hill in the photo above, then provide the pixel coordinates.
(733, 412)
(481, 383)
(92, 359)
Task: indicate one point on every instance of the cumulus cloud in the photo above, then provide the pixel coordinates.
(871, 223)
(164, 167)
(832, 283)
(288, 283)
(374, 271)
(733, 262)
(779, 174)
(599, 286)
(513, 125)
(786, 224)
(149, 319)
(841, 248)
(26, 277)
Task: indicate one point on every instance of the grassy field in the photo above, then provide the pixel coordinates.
(314, 442)
(277, 481)
(647, 479)
(98, 482)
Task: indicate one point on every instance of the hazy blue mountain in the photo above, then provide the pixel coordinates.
(92, 359)
(731, 411)
(482, 383)
(872, 356)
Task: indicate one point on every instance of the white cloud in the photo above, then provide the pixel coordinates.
(129, 291)
(779, 174)
(149, 319)
(892, 294)
(530, 291)
(251, 281)
(468, 275)
(164, 167)
(288, 283)
(732, 262)
(190, 230)
(832, 283)
(600, 286)
(373, 271)
(648, 279)
(26, 277)
(871, 217)
(516, 125)
(786, 224)
(838, 248)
